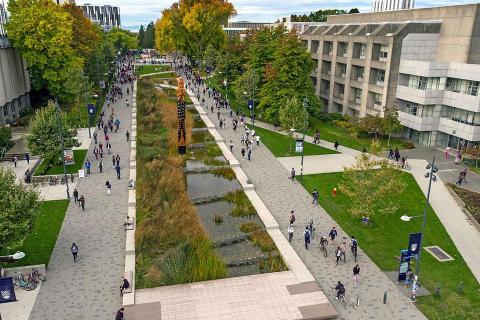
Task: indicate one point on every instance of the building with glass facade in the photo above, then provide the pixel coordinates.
(107, 17)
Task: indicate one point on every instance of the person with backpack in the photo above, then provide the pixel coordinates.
(74, 250)
(356, 274)
(333, 233)
(306, 237)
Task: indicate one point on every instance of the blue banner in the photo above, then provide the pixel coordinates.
(250, 104)
(404, 265)
(91, 108)
(414, 244)
(7, 292)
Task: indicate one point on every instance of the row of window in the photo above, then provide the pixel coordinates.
(455, 114)
(423, 83)
(380, 51)
(469, 87)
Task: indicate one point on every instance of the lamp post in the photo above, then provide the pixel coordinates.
(432, 177)
(12, 257)
(63, 147)
(251, 106)
(305, 103)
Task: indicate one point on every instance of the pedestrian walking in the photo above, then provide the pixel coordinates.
(465, 175)
(15, 159)
(95, 137)
(82, 202)
(338, 254)
(127, 134)
(27, 157)
(292, 174)
(447, 152)
(109, 187)
(391, 154)
(243, 153)
(397, 154)
(290, 232)
(356, 274)
(108, 146)
(315, 196)
(88, 165)
(74, 250)
(125, 285)
(95, 152)
(306, 237)
(460, 179)
(75, 195)
(120, 314)
(113, 161)
(257, 138)
(291, 217)
(249, 154)
(335, 145)
(333, 233)
(231, 146)
(117, 160)
(100, 165)
(117, 169)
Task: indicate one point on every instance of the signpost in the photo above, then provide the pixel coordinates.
(91, 112)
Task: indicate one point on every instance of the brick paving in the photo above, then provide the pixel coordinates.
(89, 289)
(280, 195)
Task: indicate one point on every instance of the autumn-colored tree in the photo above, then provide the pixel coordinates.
(85, 36)
(370, 124)
(372, 184)
(42, 31)
(474, 153)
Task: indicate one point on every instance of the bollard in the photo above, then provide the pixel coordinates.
(460, 288)
(437, 291)
(385, 297)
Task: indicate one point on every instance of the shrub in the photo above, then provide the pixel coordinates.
(249, 227)
(242, 206)
(5, 136)
(408, 145)
(272, 264)
(262, 239)
(218, 219)
(330, 117)
(226, 172)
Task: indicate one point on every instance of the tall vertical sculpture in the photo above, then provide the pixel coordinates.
(182, 147)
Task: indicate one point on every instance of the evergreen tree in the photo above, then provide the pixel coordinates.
(149, 40)
(141, 36)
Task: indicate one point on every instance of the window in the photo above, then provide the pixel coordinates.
(380, 76)
(383, 52)
(343, 69)
(360, 73)
(469, 87)
(412, 108)
(427, 110)
(358, 94)
(363, 51)
(378, 99)
(423, 83)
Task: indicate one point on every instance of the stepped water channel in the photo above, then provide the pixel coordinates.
(207, 188)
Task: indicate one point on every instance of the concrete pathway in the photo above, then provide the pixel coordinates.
(280, 195)
(89, 289)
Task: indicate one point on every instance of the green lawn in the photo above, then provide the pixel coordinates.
(161, 76)
(331, 133)
(39, 243)
(388, 235)
(151, 68)
(282, 146)
(44, 169)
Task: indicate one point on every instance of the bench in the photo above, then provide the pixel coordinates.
(129, 276)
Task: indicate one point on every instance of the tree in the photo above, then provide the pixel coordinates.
(353, 10)
(372, 185)
(149, 40)
(210, 56)
(42, 31)
(86, 37)
(474, 153)
(122, 40)
(289, 78)
(18, 208)
(43, 133)
(391, 124)
(292, 115)
(371, 124)
(246, 86)
(5, 136)
(141, 36)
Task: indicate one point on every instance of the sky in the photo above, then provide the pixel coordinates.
(135, 13)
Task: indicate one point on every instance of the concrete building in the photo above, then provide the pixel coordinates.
(390, 5)
(14, 78)
(424, 62)
(240, 27)
(107, 17)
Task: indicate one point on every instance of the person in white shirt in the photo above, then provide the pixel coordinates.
(290, 232)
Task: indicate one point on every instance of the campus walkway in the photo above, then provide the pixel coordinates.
(280, 195)
(460, 229)
(89, 289)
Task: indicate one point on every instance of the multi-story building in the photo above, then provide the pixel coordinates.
(240, 27)
(106, 16)
(425, 62)
(14, 78)
(390, 5)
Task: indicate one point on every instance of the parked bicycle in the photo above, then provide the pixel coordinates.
(52, 181)
(37, 276)
(25, 282)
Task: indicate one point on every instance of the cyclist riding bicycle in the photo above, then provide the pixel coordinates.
(323, 241)
(340, 290)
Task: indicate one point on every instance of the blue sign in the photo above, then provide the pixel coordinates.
(404, 265)
(250, 104)
(91, 109)
(7, 292)
(208, 69)
(414, 243)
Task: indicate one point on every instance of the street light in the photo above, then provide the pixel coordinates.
(305, 104)
(11, 258)
(63, 147)
(432, 177)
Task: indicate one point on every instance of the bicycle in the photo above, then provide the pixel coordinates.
(340, 298)
(36, 275)
(26, 284)
(52, 181)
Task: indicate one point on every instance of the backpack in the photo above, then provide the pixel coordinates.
(307, 236)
